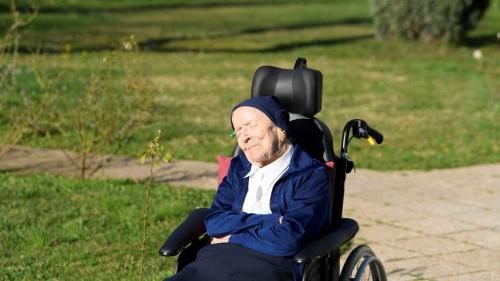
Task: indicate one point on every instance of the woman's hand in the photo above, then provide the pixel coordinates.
(225, 239)
(218, 240)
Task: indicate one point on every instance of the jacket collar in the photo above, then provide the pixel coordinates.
(300, 160)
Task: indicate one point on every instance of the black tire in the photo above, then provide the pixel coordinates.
(361, 264)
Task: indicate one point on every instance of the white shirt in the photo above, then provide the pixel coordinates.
(261, 182)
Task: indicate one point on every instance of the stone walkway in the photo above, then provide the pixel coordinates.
(438, 225)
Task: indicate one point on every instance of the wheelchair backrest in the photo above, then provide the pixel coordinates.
(299, 90)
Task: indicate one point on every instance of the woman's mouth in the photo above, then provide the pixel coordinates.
(250, 147)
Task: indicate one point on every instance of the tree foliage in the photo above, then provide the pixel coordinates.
(427, 20)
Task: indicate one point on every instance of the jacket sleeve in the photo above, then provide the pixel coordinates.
(306, 216)
(222, 220)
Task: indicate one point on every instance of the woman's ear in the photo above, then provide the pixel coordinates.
(281, 135)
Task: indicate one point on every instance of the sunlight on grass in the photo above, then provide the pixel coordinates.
(86, 228)
(436, 104)
(101, 29)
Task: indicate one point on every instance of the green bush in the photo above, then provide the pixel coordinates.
(427, 20)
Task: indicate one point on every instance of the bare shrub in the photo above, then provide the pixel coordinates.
(16, 109)
(110, 110)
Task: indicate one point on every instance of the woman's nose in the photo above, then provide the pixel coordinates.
(244, 137)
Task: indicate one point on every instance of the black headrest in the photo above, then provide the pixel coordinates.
(299, 90)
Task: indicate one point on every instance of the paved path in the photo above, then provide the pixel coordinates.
(438, 225)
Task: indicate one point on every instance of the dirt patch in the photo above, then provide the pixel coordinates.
(26, 160)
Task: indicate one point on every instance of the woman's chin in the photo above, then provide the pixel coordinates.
(256, 159)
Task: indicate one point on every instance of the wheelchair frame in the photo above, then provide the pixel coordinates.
(321, 258)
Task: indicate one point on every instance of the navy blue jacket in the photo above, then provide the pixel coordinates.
(301, 196)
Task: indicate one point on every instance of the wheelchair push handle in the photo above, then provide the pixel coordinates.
(373, 134)
(379, 138)
(361, 129)
(358, 128)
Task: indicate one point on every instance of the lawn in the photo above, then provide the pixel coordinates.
(437, 106)
(53, 228)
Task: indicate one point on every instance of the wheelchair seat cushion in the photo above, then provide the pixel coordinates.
(232, 262)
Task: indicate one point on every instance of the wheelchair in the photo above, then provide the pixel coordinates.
(300, 92)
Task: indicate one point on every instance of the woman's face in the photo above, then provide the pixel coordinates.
(258, 137)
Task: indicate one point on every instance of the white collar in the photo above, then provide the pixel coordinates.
(275, 168)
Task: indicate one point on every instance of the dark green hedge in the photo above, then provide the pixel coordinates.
(427, 20)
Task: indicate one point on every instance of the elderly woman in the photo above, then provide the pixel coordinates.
(274, 200)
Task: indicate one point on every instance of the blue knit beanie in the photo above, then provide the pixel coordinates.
(271, 107)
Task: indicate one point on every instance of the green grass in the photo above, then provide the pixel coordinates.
(53, 228)
(435, 104)
(119, 5)
(153, 26)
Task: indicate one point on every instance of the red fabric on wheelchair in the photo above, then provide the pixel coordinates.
(224, 163)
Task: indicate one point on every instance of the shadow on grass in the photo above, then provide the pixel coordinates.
(276, 48)
(158, 48)
(145, 7)
(481, 41)
(156, 43)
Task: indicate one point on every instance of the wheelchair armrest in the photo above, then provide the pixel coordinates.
(192, 228)
(338, 236)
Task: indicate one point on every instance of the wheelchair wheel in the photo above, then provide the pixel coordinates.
(362, 264)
